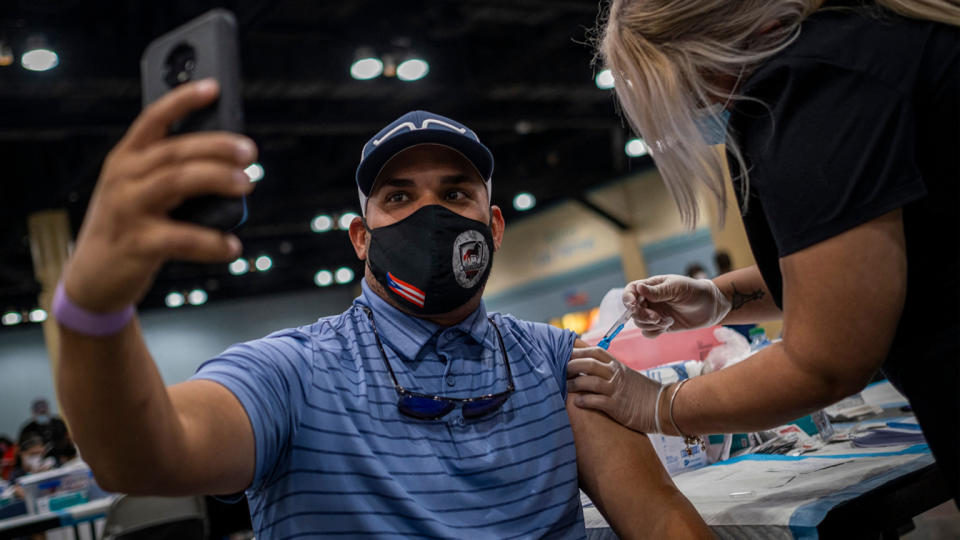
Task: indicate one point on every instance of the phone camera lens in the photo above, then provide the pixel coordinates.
(179, 65)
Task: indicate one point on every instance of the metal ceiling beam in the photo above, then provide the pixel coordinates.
(582, 199)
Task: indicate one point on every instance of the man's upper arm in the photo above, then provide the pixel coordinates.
(623, 476)
(620, 471)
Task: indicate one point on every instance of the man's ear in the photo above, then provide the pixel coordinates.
(497, 226)
(359, 238)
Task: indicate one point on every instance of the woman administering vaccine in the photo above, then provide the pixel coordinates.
(844, 147)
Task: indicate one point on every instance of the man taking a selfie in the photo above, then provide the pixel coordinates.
(412, 413)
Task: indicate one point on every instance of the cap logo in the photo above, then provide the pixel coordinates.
(425, 125)
(470, 258)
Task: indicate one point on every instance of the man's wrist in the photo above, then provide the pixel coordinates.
(82, 321)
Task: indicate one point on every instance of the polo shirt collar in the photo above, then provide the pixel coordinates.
(407, 334)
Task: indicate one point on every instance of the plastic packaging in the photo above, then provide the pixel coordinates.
(758, 339)
(732, 349)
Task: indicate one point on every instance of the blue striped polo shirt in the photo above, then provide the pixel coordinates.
(334, 456)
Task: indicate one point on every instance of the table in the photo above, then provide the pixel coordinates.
(838, 491)
(809, 496)
(69, 517)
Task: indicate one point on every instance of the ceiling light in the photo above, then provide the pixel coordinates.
(323, 278)
(413, 69)
(197, 297)
(39, 56)
(39, 60)
(174, 300)
(365, 69)
(346, 219)
(11, 318)
(321, 223)
(524, 201)
(344, 275)
(254, 172)
(604, 79)
(239, 267)
(38, 315)
(263, 263)
(636, 148)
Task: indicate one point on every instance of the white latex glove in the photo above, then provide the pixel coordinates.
(599, 381)
(671, 303)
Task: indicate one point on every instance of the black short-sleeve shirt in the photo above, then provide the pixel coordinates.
(858, 117)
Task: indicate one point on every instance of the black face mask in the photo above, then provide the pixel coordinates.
(433, 261)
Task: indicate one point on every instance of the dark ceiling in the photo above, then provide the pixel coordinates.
(518, 72)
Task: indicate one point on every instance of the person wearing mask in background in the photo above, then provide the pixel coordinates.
(52, 429)
(844, 130)
(32, 458)
(414, 412)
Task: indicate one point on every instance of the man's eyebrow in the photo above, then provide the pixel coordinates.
(457, 179)
(395, 182)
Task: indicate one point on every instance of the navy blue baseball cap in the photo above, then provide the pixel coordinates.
(411, 129)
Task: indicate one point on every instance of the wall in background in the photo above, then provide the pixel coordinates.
(675, 254)
(553, 296)
(561, 239)
(180, 340)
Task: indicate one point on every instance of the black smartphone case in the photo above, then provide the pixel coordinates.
(210, 43)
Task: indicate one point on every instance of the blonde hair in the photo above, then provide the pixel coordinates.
(672, 59)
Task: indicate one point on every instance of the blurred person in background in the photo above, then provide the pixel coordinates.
(32, 457)
(313, 422)
(843, 137)
(722, 260)
(695, 271)
(50, 428)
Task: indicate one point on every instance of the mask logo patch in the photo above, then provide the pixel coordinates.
(471, 255)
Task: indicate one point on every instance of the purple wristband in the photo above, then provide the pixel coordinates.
(86, 322)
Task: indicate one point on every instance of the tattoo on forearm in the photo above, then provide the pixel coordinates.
(739, 299)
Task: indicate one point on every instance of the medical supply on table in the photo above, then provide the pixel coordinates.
(890, 433)
(758, 339)
(615, 329)
(56, 489)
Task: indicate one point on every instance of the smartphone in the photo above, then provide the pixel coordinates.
(203, 47)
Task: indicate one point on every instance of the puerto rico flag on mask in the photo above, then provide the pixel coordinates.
(406, 291)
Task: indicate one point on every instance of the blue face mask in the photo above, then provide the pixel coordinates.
(712, 122)
(41, 418)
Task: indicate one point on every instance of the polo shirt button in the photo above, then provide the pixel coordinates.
(451, 380)
(461, 421)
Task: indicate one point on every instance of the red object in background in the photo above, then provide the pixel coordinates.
(577, 298)
(6, 462)
(638, 352)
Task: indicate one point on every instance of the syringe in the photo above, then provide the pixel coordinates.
(615, 329)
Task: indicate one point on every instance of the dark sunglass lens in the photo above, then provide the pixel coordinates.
(482, 407)
(424, 408)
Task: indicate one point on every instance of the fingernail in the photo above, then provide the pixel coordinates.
(245, 151)
(240, 177)
(205, 86)
(235, 246)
